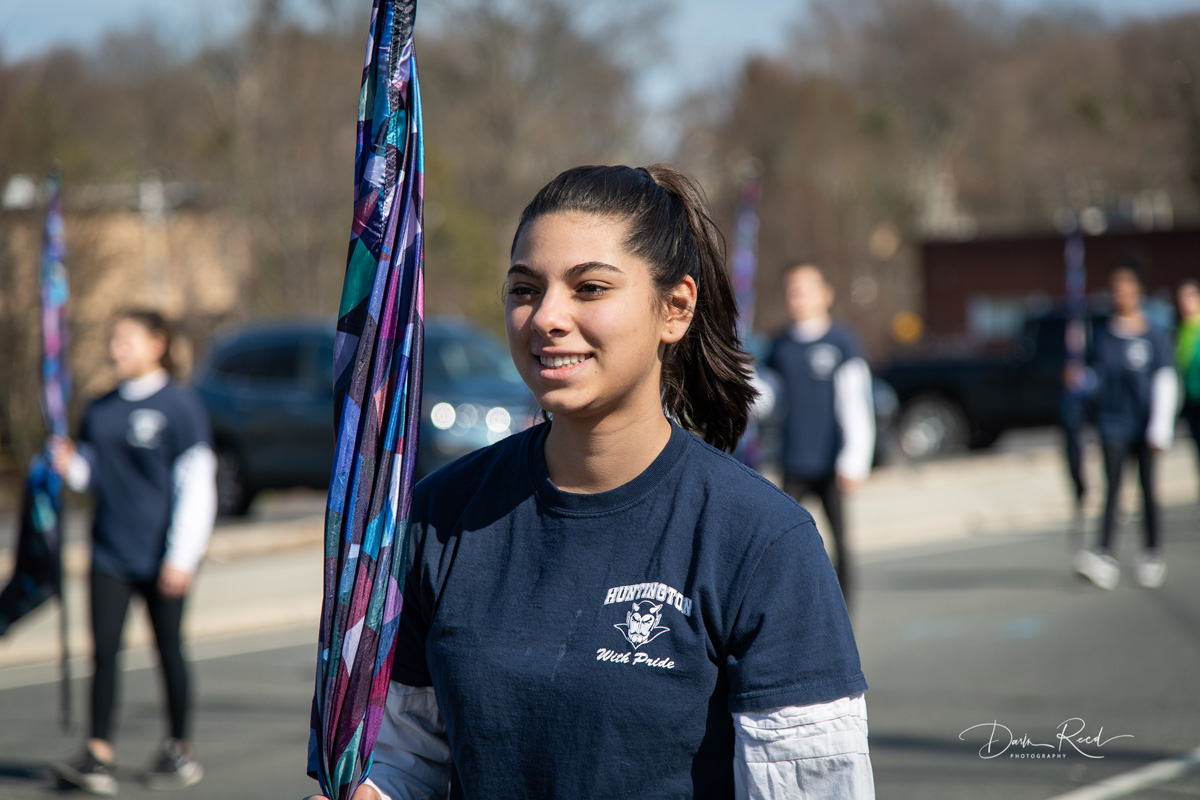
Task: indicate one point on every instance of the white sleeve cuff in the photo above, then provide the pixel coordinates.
(813, 751)
(79, 473)
(382, 794)
(855, 411)
(195, 507)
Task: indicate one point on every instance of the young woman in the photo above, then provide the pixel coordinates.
(607, 602)
(145, 453)
(1134, 411)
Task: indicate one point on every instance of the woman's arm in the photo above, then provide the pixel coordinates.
(194, 507)
(411, 759)
(1164, 407)
(71, 462)
(795, 752)
(854, 407)
(412, 754)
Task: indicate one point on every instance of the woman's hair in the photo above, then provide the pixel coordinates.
(706, 374)
(158, 325)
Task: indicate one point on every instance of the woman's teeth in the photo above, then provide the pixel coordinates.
(560, 361)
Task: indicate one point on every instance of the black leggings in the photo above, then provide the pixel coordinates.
(826, 489)
(1191, 415)
(1116, 453)
(110, 602)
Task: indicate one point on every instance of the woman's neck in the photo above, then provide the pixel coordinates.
(1133, 322)
(586, 457)
(142, 386)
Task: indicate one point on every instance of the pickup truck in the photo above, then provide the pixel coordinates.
(967, 398)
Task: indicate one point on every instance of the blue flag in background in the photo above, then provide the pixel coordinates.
(37, 575)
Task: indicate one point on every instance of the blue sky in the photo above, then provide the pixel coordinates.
(700, 32)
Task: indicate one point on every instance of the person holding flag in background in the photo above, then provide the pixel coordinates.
(38, 572)
(145, 453)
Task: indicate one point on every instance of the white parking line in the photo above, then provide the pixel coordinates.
(925, 550)
(1136, 780)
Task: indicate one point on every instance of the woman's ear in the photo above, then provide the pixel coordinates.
(681, 307)
(160, 345)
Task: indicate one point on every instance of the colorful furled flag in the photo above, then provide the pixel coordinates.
(745, 252)
(38, 572)
(1075, 388)
(377, 396)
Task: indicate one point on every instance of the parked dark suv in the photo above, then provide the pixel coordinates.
(268, 391)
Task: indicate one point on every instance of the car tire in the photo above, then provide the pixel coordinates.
(982, 440)
(931, 426)
(234, 493)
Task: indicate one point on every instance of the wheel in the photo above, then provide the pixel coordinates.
(233, 492)
(931, 425)
(982, 440)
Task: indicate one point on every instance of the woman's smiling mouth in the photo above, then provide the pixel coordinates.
(561, 361)
(556, 366)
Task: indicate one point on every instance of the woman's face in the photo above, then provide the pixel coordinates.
(134, 349)
(585, 326)
(808, 295)
(1189, 301)
(1126, 292)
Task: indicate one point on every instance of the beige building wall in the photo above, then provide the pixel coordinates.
(192, 267)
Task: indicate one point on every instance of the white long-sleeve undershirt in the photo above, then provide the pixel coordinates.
(813, 751)
(193, 482)
(1164, 391)
(854, 407)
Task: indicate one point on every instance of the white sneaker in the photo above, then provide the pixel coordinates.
(1151, 570)
(1102, 570)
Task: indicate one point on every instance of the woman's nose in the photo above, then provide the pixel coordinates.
(551, 317)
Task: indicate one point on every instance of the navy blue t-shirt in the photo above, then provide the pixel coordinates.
(1124, 367)
(581, 644)
(812, 436)
(134, 445)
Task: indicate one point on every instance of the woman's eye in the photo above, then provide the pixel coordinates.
(520, 291)
(592, 289)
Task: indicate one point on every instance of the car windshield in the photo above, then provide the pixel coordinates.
(458, 357)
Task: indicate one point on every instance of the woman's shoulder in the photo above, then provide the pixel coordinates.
(732, 488)
(486, 469)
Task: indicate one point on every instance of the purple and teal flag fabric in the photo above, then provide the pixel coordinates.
(1075, 373)
(377, 398)
(745, 265)
(745, 253)
(37, 575)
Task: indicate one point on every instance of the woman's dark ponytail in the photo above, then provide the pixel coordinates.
(706, 374)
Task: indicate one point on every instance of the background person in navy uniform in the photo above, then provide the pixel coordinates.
(145, 453)
(608, 603)
(829, 420)
(1134, 412)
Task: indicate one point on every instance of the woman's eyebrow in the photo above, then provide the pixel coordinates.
(571, 274)
(521, 269)
(590, 266)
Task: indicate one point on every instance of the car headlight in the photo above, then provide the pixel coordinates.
(442, 416)
(498, 420)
